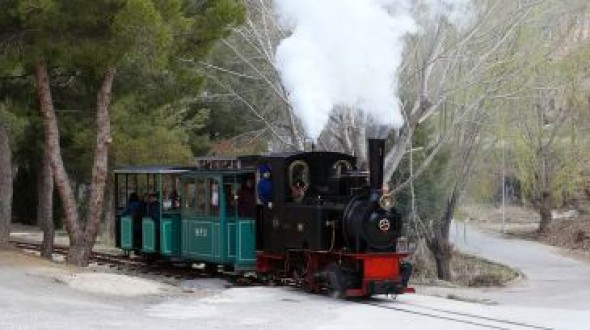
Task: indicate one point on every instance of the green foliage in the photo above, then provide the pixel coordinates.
(540, 117)
(143, 38)
(16, 124)
(149, 136)
(431, 190)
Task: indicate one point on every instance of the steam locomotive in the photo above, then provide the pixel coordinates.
(326, 226)
(343, 236)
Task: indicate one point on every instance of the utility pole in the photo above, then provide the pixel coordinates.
(504, 186)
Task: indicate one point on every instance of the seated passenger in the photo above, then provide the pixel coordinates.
(145, 201)
(175, 199)
(298, 191)
(133, 207)
(154, 208)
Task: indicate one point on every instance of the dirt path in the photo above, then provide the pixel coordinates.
(551, 278)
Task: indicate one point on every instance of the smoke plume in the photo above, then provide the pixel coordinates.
(347, 53)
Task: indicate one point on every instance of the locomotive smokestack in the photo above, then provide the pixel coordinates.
(376, 160)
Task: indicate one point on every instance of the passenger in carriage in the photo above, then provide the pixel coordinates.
(154, 208)
(133, 207)
(154, 212)
(175, 199)
(247, 198)
(145, 202)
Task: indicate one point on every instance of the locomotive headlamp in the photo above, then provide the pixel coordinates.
(386, 202)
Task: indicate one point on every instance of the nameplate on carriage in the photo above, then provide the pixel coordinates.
(201, 232)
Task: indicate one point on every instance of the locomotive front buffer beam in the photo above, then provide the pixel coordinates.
(383, 273)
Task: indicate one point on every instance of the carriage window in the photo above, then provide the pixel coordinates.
(166, 192)
(201, 200)
(230, 191)
(214, 196)
(123, 190)
(341, 167)
(189, 194)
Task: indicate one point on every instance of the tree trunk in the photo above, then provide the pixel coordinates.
(109, 214)
(60, 176)
(545, 212)
(5, 185)
(80, 252)
(442, 251)
(81, 242)
(45, 208)
(440, 246)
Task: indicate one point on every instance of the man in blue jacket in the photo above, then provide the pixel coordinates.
(265, 186)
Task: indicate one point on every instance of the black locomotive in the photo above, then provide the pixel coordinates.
(331, 226)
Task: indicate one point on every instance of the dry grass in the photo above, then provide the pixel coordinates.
(467, 270)
(473, 271)
(573, 235)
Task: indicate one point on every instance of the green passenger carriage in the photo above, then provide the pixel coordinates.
(194, 215)
(213, 230)
(142, 232)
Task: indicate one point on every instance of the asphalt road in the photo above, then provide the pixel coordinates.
(552, 279)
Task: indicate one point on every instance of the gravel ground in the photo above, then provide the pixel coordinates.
(33, 295)
(554, 294)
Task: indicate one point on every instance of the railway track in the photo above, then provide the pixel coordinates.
(127, 264)
(455, 316)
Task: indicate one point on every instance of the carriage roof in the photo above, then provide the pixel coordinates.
(153, 169)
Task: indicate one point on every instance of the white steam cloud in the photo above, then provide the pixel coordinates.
(347, 53)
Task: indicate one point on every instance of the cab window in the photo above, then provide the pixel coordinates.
(298, 180)
(342, 166)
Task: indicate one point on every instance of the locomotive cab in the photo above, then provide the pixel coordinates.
(338, 208)
(308, 221)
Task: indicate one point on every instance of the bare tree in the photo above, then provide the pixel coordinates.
(546, 149)
(547, 156)
(466, 145)
(242, 67)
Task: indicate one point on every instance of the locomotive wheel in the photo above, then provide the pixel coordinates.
(336, 281)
